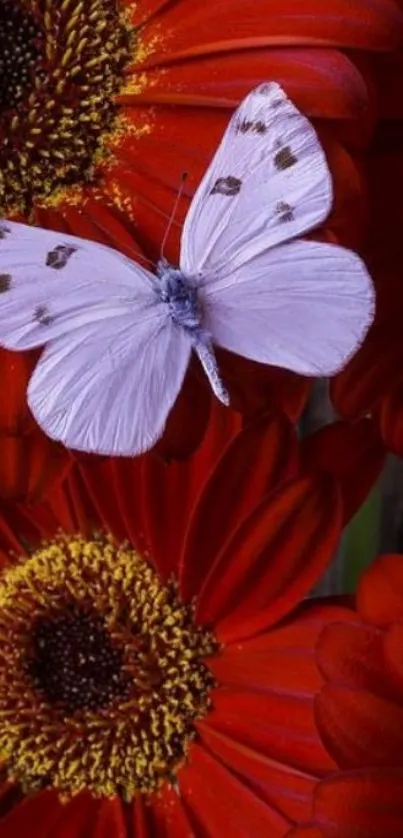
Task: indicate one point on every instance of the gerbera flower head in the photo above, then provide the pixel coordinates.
(92, 641)
(137, 681)
(62, 62)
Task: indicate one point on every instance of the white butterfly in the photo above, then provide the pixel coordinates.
(119, 339)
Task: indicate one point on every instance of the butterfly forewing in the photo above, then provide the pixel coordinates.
(268, 182)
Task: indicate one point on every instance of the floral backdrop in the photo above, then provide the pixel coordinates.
(205, 639)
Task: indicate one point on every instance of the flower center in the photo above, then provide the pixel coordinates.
(74, 662)
(19, 50)
(62, 64)
(102, 672)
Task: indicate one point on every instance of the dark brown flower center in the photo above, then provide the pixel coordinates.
(62, 64)
(20, 46)
(74, 662)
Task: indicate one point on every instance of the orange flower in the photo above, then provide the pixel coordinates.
(167, 691)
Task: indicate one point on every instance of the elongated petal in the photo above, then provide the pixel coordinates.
(235, 811)
(352, 453)
(359, 728)
(262, 456)
(380, 592)
(273, 559)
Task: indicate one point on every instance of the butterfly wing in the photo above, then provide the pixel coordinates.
(304, 306)
(109, 390)
(268, 182)
(51, 283)
(114, 362)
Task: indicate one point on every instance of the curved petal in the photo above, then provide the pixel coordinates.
(362, 804)
(167, 815)
(169, 492)
(261, 457)
(273, 559)
(30, 464)
(391, 420)
(359, 728)
(35, 816)
(283, 788)
(282, 659)
(323, 82)
(393, 650)
(353, 655)
(15, 372)
(110, 821)
(354, 454)
(202, 30)
(234, 810)
(380, 591)
(277, 725)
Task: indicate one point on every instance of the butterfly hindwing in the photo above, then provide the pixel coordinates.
(304, 306)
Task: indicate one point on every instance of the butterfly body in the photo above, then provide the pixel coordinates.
(118, 339)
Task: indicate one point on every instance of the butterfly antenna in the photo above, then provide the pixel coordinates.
(173, 213)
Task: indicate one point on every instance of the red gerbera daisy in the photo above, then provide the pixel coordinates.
(165, 687)
(106, 102)
(359, 712)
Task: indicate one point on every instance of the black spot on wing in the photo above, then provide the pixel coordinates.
(59, 257)
(43, 316)
(245, 126)
(5, 282)
(284, 211)
(284, 158)
(226, 186)
(4, 230)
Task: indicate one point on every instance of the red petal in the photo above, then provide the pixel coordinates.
(380, 591)
(273, 559)
(160, 512)
(187, 422)
(352, 453)
(168, 817)
(359, 728)
(307, 832)
(110, 822)
(219, 804)
(29, 466)
(391, 420)
(354, 655)
(35, 816)
(262, 456)
(196, 29)
(77, 818)
(274, 724)
(15, 372)
(393, 649)
(323, 82)
(365, 804)
(281, 787)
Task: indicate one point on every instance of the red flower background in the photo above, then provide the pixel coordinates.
(193, 62)
(304, 738)
(359, 712)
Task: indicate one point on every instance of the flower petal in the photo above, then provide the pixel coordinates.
(273, 559)
(35, 816)
(352, 453)
(323, 82)
(234, 811)
(29, 466)
(275, 724)
(167, 816)
(204, 30)
(262, 456)
(283, 788)
(353, 655)
(362, 804)
(110, 821)
(380, 591)
(359, 728)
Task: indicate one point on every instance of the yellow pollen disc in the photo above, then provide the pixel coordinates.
(102, 671)
(61, 65)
